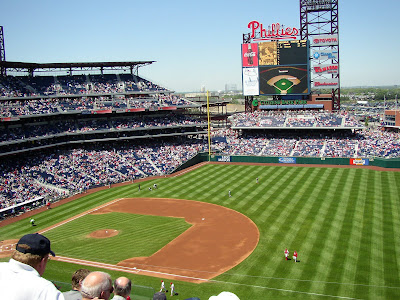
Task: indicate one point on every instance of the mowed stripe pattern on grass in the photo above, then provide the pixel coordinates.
(343, 222)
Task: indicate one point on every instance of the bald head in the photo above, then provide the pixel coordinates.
(122, 286)
(97, 284)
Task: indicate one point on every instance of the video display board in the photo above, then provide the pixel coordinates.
(283, 80)
(283, 67)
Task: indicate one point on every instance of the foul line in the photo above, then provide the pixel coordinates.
(81, 215)
(284, 290)
(136, 271)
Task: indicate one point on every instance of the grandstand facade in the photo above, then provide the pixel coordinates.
(67, 128)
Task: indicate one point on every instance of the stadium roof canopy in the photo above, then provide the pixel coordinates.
(31, 68)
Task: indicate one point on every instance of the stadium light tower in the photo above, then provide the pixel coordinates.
(2, 52)
(321, 18)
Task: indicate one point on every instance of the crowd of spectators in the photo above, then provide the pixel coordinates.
(284, 119)
(368, 143)
(27, 86)
(46, 106)
(64, 173)
(22, 96)
(112, 124)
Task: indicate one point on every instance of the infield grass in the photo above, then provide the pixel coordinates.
(344, 224)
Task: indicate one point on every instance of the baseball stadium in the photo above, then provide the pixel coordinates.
(127, 177)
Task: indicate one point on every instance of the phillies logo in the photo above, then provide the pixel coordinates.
(275, 31)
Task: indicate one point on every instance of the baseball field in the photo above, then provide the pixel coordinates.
(343, 222)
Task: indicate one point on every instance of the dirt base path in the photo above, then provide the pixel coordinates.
(219, 239)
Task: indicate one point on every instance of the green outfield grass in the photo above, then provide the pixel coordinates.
(344, 223)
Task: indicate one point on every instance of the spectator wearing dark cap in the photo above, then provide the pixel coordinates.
(77, 279)
(122, 288)
(159, 296)
(20, 278)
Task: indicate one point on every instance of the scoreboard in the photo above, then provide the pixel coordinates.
(276, 68)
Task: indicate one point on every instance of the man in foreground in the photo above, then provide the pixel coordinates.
(20, 278)
(77, 278)
(97, 285)
(122, 288)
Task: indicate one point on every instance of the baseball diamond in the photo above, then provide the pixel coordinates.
(324, 213)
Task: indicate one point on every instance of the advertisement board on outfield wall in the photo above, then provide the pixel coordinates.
(287, 160)
(359, 161)
(225, 158)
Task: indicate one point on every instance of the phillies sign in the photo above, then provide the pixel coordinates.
(274, 31)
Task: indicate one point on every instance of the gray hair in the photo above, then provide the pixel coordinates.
(95, 283)
(122, 287)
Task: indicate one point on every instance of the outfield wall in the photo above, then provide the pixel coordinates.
(375, 162)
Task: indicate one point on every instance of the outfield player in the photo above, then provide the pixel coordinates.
(257, 180)
(229, 193)
(286, 254)
(295, 256)
(163, 287)
(172, 289)
(32, 221)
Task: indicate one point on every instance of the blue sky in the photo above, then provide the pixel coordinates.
(194, 43)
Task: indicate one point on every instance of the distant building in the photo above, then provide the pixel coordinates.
(391, 119)
(230, 87)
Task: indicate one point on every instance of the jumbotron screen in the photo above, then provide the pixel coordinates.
(283, 67)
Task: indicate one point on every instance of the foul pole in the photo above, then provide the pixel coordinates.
(209, 131)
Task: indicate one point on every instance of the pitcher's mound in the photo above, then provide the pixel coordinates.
(103, 233)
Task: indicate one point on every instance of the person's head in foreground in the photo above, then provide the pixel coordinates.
(159, 296)
(77, 278)
(97, 285)
(34, 250)
(224, 296)
(122, 287)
